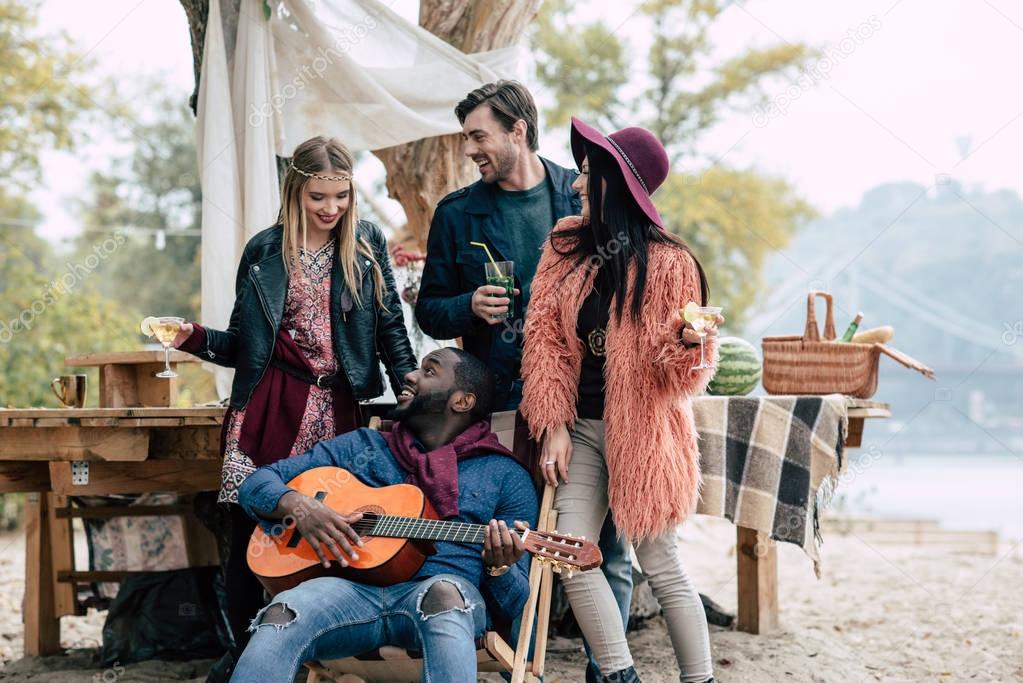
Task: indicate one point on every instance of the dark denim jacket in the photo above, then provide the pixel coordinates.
(454, 270)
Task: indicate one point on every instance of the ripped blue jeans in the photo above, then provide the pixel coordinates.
(330, 618)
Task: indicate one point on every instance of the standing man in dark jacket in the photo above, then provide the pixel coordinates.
(511, 208)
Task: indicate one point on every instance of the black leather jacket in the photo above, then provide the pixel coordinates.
(362, 336)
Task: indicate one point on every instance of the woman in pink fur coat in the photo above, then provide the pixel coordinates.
(608, 365)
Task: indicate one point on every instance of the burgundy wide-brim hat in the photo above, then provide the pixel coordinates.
(639, 154)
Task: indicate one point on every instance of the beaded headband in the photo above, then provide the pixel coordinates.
(318, 176)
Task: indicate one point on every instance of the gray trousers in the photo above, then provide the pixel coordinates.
(582, 504)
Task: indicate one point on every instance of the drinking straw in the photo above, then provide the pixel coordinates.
(489, 256)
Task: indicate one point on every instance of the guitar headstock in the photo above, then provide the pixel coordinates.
(563, 552)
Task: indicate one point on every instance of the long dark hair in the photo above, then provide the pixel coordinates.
(618, 232)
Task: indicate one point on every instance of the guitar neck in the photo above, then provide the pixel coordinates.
(392, 526)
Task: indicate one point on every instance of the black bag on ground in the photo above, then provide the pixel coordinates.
(166, 615)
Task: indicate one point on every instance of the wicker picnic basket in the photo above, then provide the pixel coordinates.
(808, 364)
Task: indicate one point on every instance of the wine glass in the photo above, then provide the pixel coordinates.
(701, 318)
(165, 329)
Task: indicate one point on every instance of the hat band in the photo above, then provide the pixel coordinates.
(629, 162)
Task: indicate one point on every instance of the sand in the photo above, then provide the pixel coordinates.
(880, 612)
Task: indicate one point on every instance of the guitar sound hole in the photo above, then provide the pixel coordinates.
(370, 510)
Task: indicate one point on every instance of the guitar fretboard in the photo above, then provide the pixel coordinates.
(392, 526)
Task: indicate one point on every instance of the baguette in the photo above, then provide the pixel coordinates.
(875, 335)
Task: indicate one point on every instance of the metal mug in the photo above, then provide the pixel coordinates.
(70, 390)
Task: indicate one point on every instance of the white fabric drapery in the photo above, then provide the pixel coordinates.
(350, 69)
(223, 222)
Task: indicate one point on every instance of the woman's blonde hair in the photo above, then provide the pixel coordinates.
(322, 156)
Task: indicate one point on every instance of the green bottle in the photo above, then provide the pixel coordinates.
(853, 326)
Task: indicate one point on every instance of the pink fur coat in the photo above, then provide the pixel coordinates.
(652, 454)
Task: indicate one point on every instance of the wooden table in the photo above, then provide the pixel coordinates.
(54, 454)
(757, 555)
(128, 378)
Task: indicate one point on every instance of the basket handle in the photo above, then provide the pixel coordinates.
(811, 333)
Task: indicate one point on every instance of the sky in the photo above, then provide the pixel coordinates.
(906, 90)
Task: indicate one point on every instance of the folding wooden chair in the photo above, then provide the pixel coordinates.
(493, 653)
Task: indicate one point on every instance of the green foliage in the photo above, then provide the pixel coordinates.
(584, 66)
(152, 199)
(56, 303)
(689, 93)
(731, 218)
(44, 98)
(154, 190)
(49, 309)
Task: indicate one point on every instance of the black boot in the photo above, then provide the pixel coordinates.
(624, 676)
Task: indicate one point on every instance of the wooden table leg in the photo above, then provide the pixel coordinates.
(42, 625)
(854, 436)
(757, 567)
(62, 543)
(200, 543)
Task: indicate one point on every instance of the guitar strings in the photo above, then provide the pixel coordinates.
(418, 528)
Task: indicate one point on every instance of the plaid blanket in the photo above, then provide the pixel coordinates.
(769, 463)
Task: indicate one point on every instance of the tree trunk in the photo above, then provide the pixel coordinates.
(197, 12)
(420, 173)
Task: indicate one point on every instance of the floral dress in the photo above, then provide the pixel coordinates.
(307, 320)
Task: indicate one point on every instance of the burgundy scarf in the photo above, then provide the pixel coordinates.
(436, 472)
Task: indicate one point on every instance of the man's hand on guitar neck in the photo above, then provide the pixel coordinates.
(501, 547)
(321, 527)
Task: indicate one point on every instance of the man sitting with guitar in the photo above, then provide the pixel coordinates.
(443, 444)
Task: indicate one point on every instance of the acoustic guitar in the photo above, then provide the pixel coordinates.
(398, 528)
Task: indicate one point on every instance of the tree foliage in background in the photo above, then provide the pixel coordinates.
(732, 218)
(44, 97)
(56, 302)
(152, 196)
(49, 308)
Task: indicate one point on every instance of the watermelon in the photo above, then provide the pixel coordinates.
(738, 368)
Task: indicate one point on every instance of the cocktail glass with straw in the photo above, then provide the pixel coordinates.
(701, 318)
(164, 328)
(500, 274)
